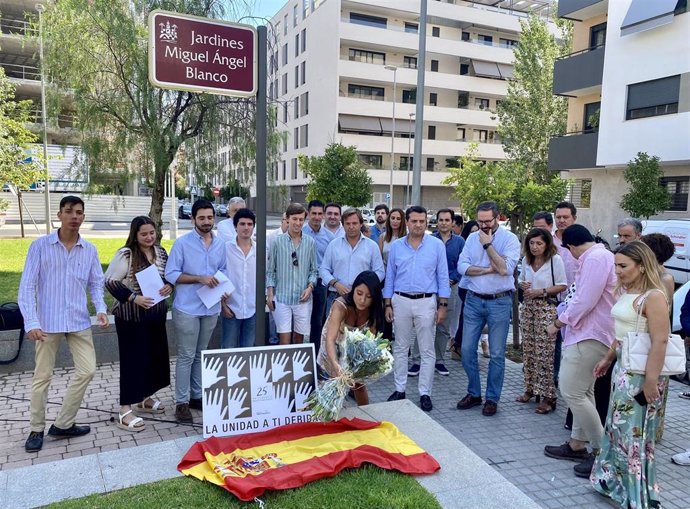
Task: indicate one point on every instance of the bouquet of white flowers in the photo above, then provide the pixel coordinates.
(364, 357)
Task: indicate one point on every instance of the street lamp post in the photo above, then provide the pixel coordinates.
(395, 82)
(409, 160)
(40, 8)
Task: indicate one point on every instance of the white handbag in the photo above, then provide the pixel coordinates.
(636, 350)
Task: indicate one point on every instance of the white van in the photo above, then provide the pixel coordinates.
(678, 230)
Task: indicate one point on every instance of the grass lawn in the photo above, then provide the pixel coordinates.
(13, 255)
(363, 488)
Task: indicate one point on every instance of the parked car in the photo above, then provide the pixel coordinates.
(369, 216)
(185, 211)
(678, 230)
(222, 210)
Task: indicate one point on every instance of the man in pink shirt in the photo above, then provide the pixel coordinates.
(589, 332)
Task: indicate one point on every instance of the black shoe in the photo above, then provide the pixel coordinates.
(196, 404)
(425, 402)
(414, 370)
(490, 408)
(396, 396)
(468, 402)
(565, 452)
(584, 469)
(71, 432)
(183, 415)
(35, 441)
(441, 369)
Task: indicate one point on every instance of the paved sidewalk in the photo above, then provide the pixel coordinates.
(512, 441)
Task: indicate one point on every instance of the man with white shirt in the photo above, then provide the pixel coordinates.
(333, 212)
(226, 228)
(52, 298)
(346, 257)
(238, 311)
(488, 262)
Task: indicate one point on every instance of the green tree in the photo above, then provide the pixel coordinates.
(337, 176)
(98, 50)
(645, 197)
(234, 188)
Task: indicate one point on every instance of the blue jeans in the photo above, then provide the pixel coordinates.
(192, 334)
(329, 303)
(238, 332)
(318, 309)
(477, 313)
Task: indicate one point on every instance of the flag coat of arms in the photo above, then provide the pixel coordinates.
(296, 454)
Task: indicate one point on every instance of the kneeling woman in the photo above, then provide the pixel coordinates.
(361, 308)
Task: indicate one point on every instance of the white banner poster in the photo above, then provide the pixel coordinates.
(254, 389)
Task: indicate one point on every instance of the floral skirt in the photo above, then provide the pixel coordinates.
(537, 348)
(625, 469)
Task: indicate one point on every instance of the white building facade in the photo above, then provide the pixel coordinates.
(632, 63)
(339, 68)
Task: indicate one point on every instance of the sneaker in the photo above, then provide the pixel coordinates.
(565, 452)
(441, 369)
(584, 469)
(684, 395)
(35, 441)
(490, 408)
(468, 402)
(196, 404)
(414, 370)
(682, 458)
(71, 432)
(183, 415)
(396, 396)
(425, 403)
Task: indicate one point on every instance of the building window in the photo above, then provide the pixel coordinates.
(434, 66)
(481, 104)
(304, 104)
(304, 136)
(365, 92)
(294, 16)
(431, 132)
(270, 91)
(285, 112)
(303, 69)
(285, 54)
(409, 96)
(653, 98)
(410, 62)
(677, 188)
(285, 85)
(406, 163)
(430, 163)
(295, 138)
(294, 168)
(507, 43)
(460, 136)
(481, 135)
(371, 160)
(296, 76)
(463, 99)
(464, 69)
(284, 170)
(487, 40)
(580, 193)
(296, 107)
(368, 57)
(304, 40)
(433, 99)
(435, 31)
(285, 140)
(591, 120)
(366, 20)
(285, 24)
(411, 28)
(465, 36)
(597, 35)
(297, 44)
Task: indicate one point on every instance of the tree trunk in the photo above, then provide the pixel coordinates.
(514, 225)
(21, 213)
(161, 167)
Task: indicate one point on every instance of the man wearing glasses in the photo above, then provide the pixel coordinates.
(488, 262)
(290, 278)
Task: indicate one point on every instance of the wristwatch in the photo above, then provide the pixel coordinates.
(487, 245)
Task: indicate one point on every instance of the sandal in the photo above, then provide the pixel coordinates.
(156, 406)
(546, 406)
(525, 397)
(135, 425)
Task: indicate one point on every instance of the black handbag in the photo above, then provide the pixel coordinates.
(550, 300)
(11, 319)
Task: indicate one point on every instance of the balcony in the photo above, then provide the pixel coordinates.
(579, 10)
(574, 151)
(579, 73)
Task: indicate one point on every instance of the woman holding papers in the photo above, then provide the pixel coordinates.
(140, 321)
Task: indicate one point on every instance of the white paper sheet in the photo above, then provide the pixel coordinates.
(150, 283)
(211, 296)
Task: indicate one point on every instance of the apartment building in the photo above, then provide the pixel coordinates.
(628, 81)
(346, 71)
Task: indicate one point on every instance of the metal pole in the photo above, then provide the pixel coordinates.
(409, 161)
(261, 133)
(419, 112)
(46, 192)
(395, 82)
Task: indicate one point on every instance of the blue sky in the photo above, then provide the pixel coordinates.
(267, 8)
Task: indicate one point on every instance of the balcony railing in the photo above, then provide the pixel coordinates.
(579, 71)
(64, 120)
(573, 151)
(14, 26)
(22, 72)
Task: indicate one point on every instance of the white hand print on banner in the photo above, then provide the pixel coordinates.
(281, 395)
(210, 371)
(302, 392)
(235, 365)
(236, 399)
(213, 404)
(279, 364)
(299, 364)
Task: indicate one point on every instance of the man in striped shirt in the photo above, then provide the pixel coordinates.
(290, 278)
(59, 268)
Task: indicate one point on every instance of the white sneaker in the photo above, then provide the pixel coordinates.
(684, 395)
(682, 458)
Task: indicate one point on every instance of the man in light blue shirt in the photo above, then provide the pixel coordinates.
(194, 260)
(346, 257)
(380, 216)
(333, 224)
(487, 265)
(315, 229)
(416, 274)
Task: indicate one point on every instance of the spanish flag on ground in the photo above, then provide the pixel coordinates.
(293, 455)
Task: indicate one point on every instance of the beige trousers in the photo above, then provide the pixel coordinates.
(576, 382)
(81, 346)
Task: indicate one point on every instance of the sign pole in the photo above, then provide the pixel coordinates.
(260, 207)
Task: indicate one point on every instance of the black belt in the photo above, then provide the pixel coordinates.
(490, 296)
(415, 295)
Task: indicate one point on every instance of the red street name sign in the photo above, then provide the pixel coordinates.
(202, 55)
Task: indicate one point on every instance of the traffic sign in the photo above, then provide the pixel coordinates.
(202, 55)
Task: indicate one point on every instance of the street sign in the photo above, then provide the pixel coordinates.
(202, 55)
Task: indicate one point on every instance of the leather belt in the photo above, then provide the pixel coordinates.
(490, 296)
(415, 295)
